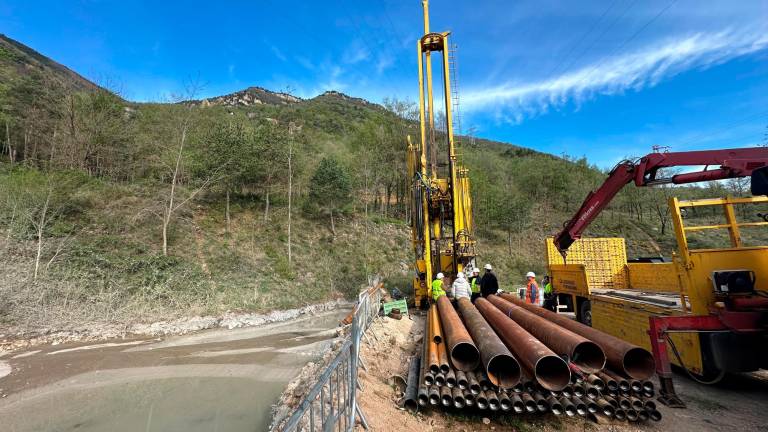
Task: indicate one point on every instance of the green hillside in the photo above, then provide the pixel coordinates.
(119, 211)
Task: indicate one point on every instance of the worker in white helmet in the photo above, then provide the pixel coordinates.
(531, 289)
(461, 287)
(474, 283)
(437, 287)
(489, 285)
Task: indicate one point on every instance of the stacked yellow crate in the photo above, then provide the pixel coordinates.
(604, 260)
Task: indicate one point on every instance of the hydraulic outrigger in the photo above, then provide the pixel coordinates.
(441, 205)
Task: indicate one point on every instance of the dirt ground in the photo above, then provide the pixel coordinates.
(740, 404)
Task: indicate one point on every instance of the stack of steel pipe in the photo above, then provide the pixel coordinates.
(504, 355)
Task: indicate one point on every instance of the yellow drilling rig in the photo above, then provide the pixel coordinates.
(441, 225)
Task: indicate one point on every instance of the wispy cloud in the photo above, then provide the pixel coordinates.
(279, 54)
(515, 101)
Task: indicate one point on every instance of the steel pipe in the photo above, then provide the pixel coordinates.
(554, 405)
(581, 351)
(568, 407)
(450, 378)
(442, 358)
(440, 380)
(458, 398)
(648, 386)
(504, 401)
(502, 368)
(642, 415)
(481, 400)
(461, 380)
(432, 354)
(434, 395)
(581, 407)
(469, 398)
(436, 327)
(595, 381)
(619, 414)
(623, 383)
(410, 398)
(541, 402)
(649, 405)
(518, 406)
(459, 345)
(610, 383)
(493, 400)
(529, 402)
(423, 395)
(605, 407)
(633, 360)
(474, 385)
(446, 397)
(631, 414)
(591, 405)
(654, 415)
(549, 369)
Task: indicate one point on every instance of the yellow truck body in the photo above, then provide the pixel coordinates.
(618, 297)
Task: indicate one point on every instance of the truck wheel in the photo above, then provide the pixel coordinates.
(586, 313)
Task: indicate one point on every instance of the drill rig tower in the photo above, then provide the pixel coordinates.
(441, 225)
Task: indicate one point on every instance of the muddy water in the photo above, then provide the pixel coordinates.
(219, 380)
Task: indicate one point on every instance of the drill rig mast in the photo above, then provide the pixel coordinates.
(441, 225)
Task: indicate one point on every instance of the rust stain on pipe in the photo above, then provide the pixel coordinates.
(631, 359)
(501, 366)
(437, 330)
(433, 360)
(459, 345)
(584, 353)
(549, 369)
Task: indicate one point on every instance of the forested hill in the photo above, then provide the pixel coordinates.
(118, 211)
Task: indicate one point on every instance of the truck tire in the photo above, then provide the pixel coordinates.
(585, 313)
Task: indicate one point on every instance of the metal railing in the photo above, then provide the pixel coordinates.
(331, 403)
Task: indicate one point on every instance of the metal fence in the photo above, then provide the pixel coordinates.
(331, 403)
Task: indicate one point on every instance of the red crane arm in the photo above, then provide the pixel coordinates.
(733, 163)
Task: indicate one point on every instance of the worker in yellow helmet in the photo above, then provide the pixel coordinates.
(437, 287)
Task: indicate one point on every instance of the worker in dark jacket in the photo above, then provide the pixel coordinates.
(489, 284)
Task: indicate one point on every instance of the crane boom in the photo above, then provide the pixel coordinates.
(732, 163)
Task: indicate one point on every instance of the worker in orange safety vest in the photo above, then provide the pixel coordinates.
(531, 289)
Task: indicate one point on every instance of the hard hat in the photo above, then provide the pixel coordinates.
(440, 275)
(488, 267)
(460, 275)
(530, 274)
(475, 270)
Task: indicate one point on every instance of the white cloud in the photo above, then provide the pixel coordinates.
(516, 101)
(279, 54)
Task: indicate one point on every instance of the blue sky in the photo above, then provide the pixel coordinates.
(603, 79)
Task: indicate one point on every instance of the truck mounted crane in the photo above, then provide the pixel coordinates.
(733, 163)
(709, 305)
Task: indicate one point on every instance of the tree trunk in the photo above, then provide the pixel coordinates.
(290, 192)
(333, 227)
(266, 206)
(174, 179)
(40, 229)
(8, 141)
(509, 241)
(53, 148)
(227, 213)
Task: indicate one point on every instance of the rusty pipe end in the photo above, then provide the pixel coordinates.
(503, 371)
(638, 363)
(437, 339)
(552, 372)
(589, 357)
(465, 356)
(434, 368)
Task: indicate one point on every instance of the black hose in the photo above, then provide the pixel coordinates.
(690, 374)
